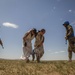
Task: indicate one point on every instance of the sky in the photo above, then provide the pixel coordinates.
(19, 16)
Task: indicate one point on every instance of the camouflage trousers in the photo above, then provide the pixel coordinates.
(39, 51)
(71, 47)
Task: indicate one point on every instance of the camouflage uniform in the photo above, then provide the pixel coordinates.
(39, 50)
(27, 45)
(71, 39)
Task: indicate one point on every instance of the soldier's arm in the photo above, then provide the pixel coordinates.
(26, 35)
(42, 41)
(70, 31)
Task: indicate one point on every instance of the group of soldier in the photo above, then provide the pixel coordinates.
(38, 50)
(38, 45)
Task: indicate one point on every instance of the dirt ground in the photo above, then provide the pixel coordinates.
(20, 67)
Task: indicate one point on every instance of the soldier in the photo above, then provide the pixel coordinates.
(39, 40)
(1, 43)
(27, 45)
(71, 39)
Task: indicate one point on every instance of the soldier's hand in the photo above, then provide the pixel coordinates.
(66, 38)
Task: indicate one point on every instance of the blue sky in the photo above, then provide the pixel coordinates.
(19, 16)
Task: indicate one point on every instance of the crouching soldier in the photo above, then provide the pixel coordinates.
(38, 46)
(71, 39)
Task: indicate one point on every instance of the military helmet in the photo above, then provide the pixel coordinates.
(66, 23)
(34, 30)
(43, 30)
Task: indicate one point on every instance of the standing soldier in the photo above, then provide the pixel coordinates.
(71, 39)
(39, 40)
(27, 45)
(1, 43)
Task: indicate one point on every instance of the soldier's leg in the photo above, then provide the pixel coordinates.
(40, 55)
(27, 57)
(28, 53)
(24, 53)
(73, 47)
(37, 58)
(73, 39)
(70, 55)
(33, 55)
(70, 51)
(72, 44)
(37, 54)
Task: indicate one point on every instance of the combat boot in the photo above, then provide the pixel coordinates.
(38, 59)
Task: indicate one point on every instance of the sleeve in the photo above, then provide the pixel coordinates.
(70, 31)
(24, 37)
(42, 41)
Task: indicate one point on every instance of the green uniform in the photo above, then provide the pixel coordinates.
(39, 50)
(71, 39)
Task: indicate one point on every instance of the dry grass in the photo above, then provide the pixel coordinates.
(19, 67)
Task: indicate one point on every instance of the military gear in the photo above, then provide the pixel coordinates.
(69, 32)
(34, 30)
(70, 37)
(66, 23)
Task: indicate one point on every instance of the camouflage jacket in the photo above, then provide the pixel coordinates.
(69, 32)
